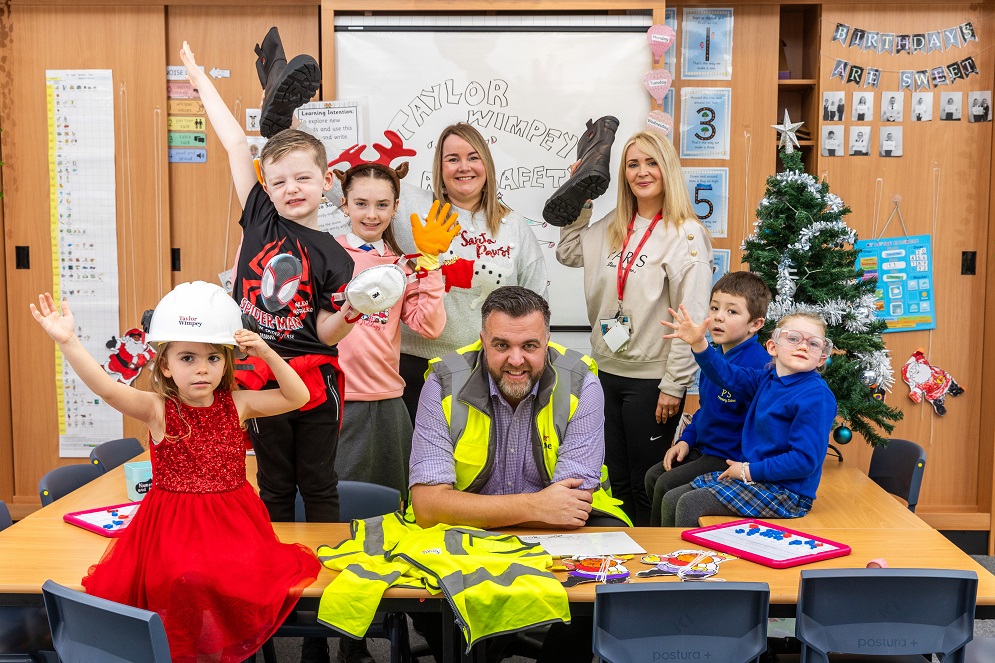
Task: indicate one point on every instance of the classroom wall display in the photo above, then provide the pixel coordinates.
(707, 43)
(908, 79)
(979, 106)
(891, 142)
(482, 70)
(860, 141)
(896, 44)
(862, 106)
(670, 56)
(922, 107)
(709, 191)
(83, 221)
(705, 113)
(832, 140)
(902, 266)
(951, 104)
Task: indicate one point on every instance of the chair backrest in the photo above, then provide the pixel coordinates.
(86, 628)
(359, 500)
(681, 621)
(63, 480)
(112, 453)
(5, 519)
(874, 612)
(898, 468)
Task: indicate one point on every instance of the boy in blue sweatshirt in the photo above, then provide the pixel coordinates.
(737, 309)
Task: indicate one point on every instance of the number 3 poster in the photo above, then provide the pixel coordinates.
(709, 191)
(705, 122)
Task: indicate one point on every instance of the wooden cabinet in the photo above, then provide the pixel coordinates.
(798, 75)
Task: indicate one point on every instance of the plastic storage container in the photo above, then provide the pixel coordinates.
(138, 476)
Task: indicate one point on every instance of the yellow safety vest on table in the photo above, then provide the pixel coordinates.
(495, 583)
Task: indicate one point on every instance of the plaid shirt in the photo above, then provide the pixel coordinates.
(759, 500)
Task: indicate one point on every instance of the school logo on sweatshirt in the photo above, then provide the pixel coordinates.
(726, 397)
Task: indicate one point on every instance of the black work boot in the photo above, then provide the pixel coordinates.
(287, 85)
(314, 650)
(354, 651)
(590, 179)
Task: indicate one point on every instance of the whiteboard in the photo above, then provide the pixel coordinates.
(529, 93)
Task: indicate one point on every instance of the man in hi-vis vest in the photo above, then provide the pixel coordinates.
(510, 432)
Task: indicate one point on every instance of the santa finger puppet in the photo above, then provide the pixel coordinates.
(129, 354)
(929, 382)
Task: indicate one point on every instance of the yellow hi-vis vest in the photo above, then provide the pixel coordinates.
(495, 583)
(469, 417)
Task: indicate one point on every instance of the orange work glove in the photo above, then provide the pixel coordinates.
(435, 236)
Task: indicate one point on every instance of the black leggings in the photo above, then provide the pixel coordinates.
(634, 441)
(658, 481)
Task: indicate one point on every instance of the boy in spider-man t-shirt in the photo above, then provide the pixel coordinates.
(286, 274)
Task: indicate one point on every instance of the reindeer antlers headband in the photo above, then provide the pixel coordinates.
(353, 156)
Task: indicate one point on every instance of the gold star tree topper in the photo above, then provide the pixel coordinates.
(787, 130)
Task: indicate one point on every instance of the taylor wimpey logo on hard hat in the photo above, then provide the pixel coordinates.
(189, 321)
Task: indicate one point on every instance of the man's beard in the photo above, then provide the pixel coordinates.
(516, 391)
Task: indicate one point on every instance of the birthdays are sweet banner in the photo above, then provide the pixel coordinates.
(946, 40)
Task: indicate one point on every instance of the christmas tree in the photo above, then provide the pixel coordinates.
(803, 250)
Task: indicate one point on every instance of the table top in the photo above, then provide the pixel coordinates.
(847, 498)
(43, 546)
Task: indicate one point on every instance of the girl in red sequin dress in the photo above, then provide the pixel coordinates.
(201, 551)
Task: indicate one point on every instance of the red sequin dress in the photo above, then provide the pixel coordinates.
(201, 551)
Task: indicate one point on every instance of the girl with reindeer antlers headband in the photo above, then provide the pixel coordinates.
(495, 246)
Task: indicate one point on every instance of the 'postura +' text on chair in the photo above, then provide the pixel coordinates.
(86, 628)
(65, 479)
(681, 621)
(113, 453)
(885, 614)
(357, 500)
(898, 468)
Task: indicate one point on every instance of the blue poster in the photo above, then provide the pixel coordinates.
(707, 43)
(705, 122)
(709, 191)
(903, 269)
(670, 56)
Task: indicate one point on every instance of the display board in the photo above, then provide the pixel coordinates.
(528, 87)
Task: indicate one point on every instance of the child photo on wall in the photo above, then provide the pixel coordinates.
(980, 104)
(832, 140)
(922, 106)
(859, 141)
(833, 106)
(863, 106)
(892, 106)
(950, 105)
(891, 141)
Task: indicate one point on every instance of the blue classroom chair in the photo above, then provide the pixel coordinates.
(63, 480)
(681, 621)
(885, 614)
(5, 519)
(86, 629)
(113, 453)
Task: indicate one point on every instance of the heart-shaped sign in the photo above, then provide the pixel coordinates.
(657, 83)
(661, 37)
(659, 121)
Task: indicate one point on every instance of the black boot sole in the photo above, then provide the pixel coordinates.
(564, 206)
(298, 83)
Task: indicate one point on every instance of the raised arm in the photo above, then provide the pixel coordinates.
(61, 327)
(290, 394)
(225, 125)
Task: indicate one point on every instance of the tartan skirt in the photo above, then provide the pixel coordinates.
(760, 500)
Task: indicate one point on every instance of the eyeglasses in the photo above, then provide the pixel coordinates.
(792, 339)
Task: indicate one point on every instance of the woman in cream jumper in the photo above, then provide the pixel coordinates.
(647, 255)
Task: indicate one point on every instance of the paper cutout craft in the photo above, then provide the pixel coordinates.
(106, 520)
(929, 382)
(765, 543)
(661, 38)
(129, 354)
(687, 564)
(610, 570)
(660, 122)
(657, 83)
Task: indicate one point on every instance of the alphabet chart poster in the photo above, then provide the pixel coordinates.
(83, 217)
(766, 543)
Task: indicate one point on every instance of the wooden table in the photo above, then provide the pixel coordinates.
(868, 519)
(847, 498)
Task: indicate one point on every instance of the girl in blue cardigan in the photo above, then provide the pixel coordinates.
(785, 433)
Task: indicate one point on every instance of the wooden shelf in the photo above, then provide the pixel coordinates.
(790, 83)
(801, 143)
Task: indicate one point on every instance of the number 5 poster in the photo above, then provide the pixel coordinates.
(709, 191)
(705, 122)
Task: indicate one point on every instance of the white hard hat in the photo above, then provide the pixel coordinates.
(376, 288)
(197, 312)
